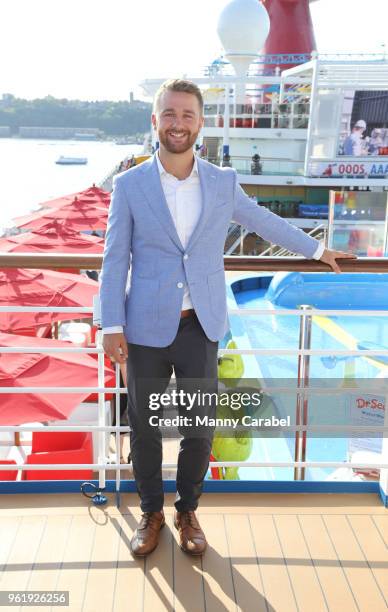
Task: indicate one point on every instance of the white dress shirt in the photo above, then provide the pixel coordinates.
(184, 200)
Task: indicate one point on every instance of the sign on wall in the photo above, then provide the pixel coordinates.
(361, 150)
(349, 169)
(366, 409)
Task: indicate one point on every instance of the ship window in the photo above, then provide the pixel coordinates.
(221, 109)
(210, 109)
(284, 108)
(210, 122)
(263, 109)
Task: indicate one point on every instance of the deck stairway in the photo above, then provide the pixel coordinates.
(254, 246)
(233, 239)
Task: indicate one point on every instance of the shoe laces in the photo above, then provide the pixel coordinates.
(147, 519)
(190, 518)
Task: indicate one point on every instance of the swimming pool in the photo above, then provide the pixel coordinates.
(323, 291)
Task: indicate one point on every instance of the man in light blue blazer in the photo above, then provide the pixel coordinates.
(167, 225)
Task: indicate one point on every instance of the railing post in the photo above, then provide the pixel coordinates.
(384, 458)
(225, 143)
(101, 410)
(301, 410)
(118, 434)
(101, 396)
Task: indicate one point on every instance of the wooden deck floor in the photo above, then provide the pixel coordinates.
(274, 553)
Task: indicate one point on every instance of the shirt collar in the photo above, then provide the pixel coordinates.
(162, 171)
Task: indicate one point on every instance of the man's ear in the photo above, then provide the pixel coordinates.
(153, 120)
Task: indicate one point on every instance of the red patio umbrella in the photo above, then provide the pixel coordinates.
(19, 287)
(75, 201)
(53, 237)
(76, 215)
(92, 195)
(43, 370)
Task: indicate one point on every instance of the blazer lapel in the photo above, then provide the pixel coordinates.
(153, 191)
(208, 179)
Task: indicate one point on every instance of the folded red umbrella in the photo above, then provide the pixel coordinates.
(43, 370)
(53, 237)
(93, 195)
(75, 203)
(76, 215)
(19, 287)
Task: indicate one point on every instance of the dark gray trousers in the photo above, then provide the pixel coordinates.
(194, 360)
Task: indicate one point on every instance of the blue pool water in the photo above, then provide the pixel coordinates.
(323, 291)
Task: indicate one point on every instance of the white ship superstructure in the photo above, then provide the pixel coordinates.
(300, 137)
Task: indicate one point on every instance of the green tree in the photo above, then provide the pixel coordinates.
(114, 118)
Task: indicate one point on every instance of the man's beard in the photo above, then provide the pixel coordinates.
(178, 147)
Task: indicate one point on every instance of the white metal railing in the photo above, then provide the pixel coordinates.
(269, 166)
(102, 465)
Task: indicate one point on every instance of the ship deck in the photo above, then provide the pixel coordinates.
(270, 552)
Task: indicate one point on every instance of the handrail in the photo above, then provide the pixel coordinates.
(232, 263)
(167, 466)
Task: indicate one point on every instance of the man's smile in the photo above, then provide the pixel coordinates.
(177, 135)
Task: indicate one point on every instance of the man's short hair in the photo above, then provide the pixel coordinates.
(178, 85)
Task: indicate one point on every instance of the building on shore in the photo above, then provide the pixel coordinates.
(60, 132)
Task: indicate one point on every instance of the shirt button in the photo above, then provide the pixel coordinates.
(179, 285)
(185, 256)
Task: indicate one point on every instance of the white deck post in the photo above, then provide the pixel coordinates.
(101, 396)
(384, 459)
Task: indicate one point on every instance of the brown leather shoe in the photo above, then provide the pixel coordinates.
(191, 537)
(146, 537)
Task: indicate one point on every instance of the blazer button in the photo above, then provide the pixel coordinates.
(185, 256)
(179, 285)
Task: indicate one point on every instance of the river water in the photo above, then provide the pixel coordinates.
(29, 174)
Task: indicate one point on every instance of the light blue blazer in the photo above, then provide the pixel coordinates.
(141, 239)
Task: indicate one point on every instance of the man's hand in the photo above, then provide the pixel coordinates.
(115, 346)
(329, 257)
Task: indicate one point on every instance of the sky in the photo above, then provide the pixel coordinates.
(100, 49)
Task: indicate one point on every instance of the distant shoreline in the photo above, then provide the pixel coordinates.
(105, 138)
(103, 118)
